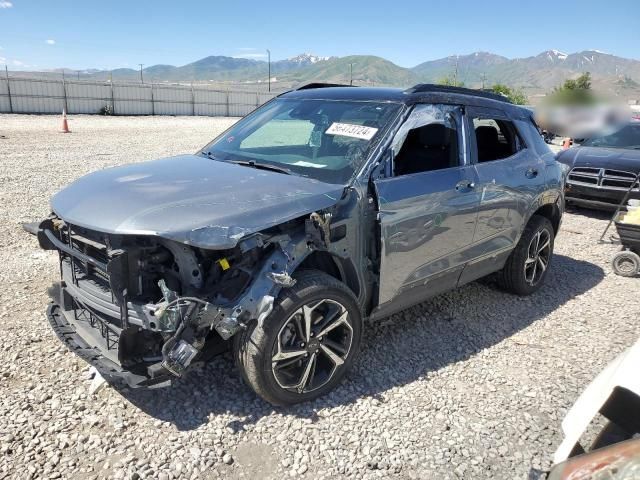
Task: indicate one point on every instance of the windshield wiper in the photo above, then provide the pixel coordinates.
(261, 166)
(252, 164)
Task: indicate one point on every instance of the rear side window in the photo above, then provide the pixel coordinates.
(496, 139)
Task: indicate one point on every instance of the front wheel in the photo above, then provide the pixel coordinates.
(306, 345)
(527, 266)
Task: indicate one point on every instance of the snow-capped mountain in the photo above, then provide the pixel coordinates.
(556, 55)
(299, 61)
(306, 59)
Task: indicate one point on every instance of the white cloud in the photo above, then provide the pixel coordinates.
(3, 60)
(5, 4)
(50, 42)
(18, 63)
(251, 55)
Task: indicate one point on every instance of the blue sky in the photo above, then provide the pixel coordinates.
(43, 34)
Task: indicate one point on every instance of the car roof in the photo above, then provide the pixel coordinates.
(423, 93)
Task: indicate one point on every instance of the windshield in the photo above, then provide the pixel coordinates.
(322, 139)
(627, 137)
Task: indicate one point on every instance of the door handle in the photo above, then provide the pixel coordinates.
(531, 173)
(465, 185)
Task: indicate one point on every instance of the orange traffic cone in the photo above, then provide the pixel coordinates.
(566, 143)
(65, 125)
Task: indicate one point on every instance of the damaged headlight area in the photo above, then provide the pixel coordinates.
(142, 309)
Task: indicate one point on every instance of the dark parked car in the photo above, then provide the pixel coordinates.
(603, 168)
(320, 209)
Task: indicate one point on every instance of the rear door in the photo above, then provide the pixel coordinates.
(427, 206)
(510, 177)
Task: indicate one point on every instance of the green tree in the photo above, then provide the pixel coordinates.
(450, 82)
(515, 96)
(574, 91)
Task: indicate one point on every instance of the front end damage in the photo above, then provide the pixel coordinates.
(142, 309)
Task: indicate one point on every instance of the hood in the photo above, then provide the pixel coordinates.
(601, 157)
(190, 199)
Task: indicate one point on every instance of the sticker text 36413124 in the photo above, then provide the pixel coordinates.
(350, 130)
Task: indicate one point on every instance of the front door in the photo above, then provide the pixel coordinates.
(427, 206)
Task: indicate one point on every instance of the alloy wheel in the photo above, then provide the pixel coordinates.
(311, 346)
(538, 256)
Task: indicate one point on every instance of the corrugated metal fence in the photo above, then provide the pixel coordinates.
(31, 95)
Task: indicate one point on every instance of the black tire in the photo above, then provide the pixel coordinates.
(257, 347)
(626, 263)
(514, 277)
(610, 434)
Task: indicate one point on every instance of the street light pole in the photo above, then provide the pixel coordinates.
(351, 76)
(141, 80)
(269, 62)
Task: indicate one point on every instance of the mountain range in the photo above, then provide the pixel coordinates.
(534, 75)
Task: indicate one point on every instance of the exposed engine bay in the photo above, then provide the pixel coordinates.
(152, 306)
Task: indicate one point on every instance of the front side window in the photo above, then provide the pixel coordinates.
(627, 137)
(322, 139)
(495, 139)
(429, 140)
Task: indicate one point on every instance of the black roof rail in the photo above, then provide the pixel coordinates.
(430, 87)
(309, 86)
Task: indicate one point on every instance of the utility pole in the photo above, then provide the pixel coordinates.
(78, 72)
(269, 63)
(484, 76)
(6, 72)
(141, 79)
(64, 90)
(113, 100)
(351, 74)
(455, 74)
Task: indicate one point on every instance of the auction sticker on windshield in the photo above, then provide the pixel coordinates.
(351, 130)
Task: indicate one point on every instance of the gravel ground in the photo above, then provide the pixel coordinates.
(473, 384)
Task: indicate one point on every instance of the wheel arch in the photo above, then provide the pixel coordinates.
(552, 212)
(337, 267)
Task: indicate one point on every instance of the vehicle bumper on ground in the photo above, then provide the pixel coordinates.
(614, 393)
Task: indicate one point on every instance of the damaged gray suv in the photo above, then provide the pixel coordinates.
(326, 206)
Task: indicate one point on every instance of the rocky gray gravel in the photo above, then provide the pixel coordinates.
(473, 384)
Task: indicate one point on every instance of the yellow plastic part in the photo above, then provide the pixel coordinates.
(224, 263)
(632, 217)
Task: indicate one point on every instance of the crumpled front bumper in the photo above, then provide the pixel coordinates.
(132, 342)
(96, 341)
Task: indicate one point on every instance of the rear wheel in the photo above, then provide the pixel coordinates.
(306, 345)
(527, 266)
